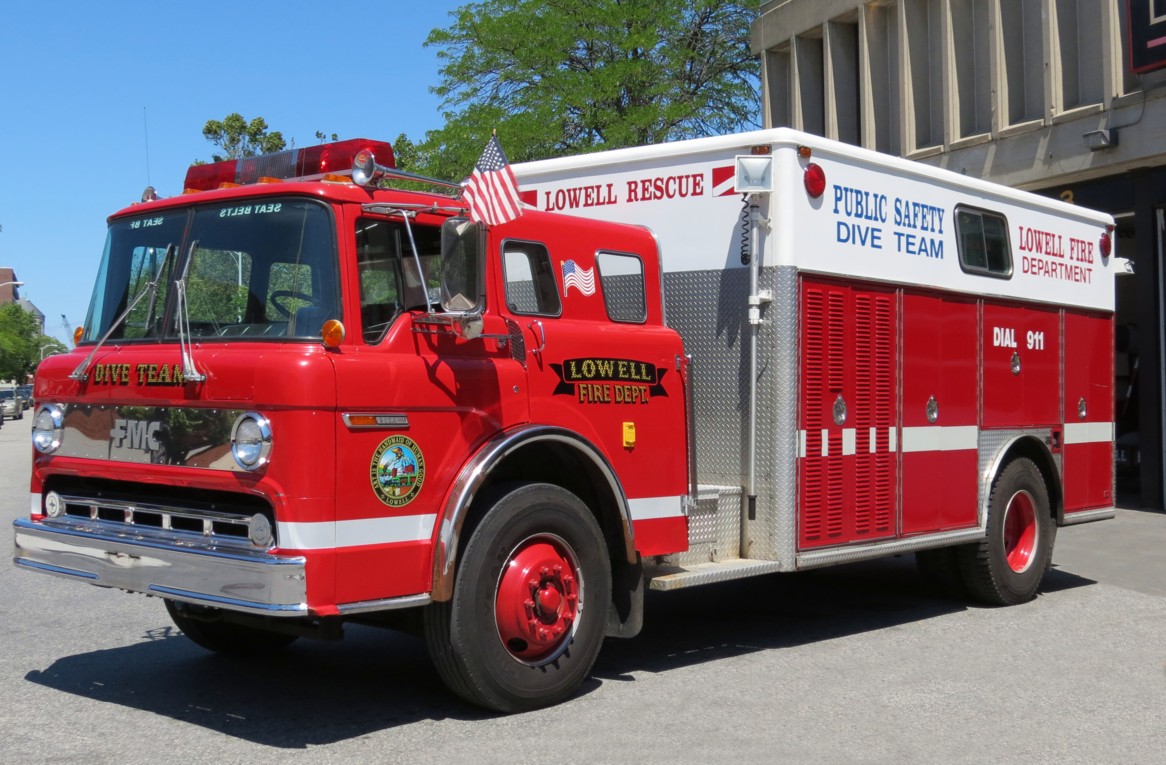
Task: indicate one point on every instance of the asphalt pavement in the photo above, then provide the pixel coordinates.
(859, 663)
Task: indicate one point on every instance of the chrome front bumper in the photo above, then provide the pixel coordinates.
(148, 561)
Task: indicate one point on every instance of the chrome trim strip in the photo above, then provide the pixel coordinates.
(274, 585)
(474, 474)
(48, 568)
(388, 604)
(383, 420)
(818, 558)
(1088, 516)
(231, 604)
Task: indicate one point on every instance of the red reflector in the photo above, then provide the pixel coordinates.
(1106, 244)
(815, 180)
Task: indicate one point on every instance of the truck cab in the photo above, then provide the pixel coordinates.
(297, 401)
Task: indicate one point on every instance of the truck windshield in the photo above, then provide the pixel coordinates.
(259, 269)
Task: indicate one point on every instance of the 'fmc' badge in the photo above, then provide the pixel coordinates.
(397, 471)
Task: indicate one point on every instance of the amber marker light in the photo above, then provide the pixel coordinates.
(332, 333)
(804, 152)
(77, 333)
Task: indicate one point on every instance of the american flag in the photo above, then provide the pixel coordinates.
(582, 279)
(492, 192)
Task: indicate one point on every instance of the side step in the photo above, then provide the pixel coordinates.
(678, 577)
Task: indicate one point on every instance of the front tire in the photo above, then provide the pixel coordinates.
(1007, 566)
(529, 605)
(203, 625)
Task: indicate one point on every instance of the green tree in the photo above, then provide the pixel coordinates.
(239, 138)
(556, 77)
(19, 343)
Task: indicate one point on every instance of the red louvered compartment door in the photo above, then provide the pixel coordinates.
(847, 465)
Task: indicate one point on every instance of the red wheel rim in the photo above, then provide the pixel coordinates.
(1020, 537)
(539, 599)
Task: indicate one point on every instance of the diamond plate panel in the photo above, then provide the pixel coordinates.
(709, 309)
(714, 527)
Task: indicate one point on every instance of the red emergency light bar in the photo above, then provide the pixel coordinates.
(311, 161)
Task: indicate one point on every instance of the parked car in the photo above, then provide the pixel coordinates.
(25, 392)
(11, 404)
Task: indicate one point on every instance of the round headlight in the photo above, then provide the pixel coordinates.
(251, 441)
(48, 428)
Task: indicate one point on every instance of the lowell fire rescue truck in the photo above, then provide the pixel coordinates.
(301, 399)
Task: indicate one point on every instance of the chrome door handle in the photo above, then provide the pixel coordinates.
(536, 326)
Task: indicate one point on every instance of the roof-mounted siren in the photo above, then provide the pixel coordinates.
(366, 172)
(753, 173)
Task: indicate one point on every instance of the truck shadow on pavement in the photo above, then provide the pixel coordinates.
(318, 693)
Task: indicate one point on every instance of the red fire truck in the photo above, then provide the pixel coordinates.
(301, 398)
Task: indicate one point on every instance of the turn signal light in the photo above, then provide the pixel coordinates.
(77, 333)
(332, 334)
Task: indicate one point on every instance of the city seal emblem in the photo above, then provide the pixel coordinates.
(397, 471)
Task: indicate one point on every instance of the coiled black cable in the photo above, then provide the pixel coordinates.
(746, 255)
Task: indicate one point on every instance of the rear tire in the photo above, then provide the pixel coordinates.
(529, 605)
(1007, 566)
(199, 624)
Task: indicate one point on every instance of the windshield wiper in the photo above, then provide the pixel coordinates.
(151, 289)
(190, 373)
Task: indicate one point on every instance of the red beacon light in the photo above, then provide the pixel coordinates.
(308, 163)
(814, 178)
(1106, 245)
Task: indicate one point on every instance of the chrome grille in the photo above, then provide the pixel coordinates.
(118, 516)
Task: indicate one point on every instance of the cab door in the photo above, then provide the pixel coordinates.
(600, 363)
(413, 401)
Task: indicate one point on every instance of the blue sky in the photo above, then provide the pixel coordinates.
(81, 80)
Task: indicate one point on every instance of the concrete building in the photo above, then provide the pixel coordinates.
(1062, 97)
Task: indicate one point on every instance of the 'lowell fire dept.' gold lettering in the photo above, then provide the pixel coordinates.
(595, 380)
(138, 374)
